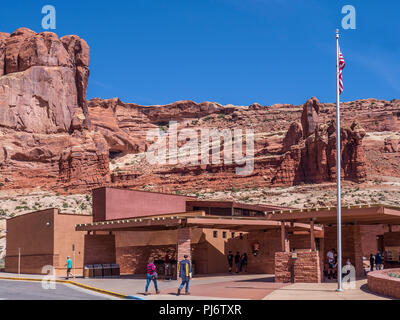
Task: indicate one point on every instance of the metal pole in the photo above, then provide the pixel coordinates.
(19, 261)
(338, 170)
(74, 264)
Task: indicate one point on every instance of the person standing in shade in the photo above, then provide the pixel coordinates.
(167, 266)
(371, 262)
(243, 262)
(331, 262)
(378, 261)
(237, 261)
(69, 266)
(151, 274)
(185, 272)
(230, 261)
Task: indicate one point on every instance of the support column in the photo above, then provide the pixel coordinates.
(284, 239)
(312, 235)
(184, 244)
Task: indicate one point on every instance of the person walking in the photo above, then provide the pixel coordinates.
(151, 274)
(167, 266)
(230, 261)
(243, 262)
(185, 273)
(378, 261)
(371, 262)
(69, 266)
(237, 261)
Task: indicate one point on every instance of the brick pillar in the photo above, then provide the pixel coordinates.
(184, 243)
(307, 267)
(285, 245)
(283, 267)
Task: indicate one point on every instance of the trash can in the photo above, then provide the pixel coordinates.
(107, 271)
(88, 271)
(115, 271)
(97, 271)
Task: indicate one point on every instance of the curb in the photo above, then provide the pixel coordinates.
(111, 293)
(134, 298)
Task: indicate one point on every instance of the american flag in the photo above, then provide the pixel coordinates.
(342, 64)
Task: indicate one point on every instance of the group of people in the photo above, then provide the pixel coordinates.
(376, 260)
(332, 261)
(184, 272)
(240, 261)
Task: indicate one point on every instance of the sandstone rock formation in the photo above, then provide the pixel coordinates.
(43, 112)
(52, 137)
(44, 81)
(313, 157)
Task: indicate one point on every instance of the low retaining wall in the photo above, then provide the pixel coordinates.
(304, 269)
(380, 282)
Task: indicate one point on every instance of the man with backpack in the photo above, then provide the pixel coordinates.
(185, 273)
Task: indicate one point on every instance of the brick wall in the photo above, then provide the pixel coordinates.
(300, 241)
(391, 239)
(99, 249)
(379, 282)
(264, 261)
(184, 243)
(31, 264)
(134, 259)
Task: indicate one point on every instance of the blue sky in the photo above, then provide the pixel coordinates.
(228, 51)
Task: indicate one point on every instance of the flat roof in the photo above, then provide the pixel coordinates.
(361, 214)
(145, 191)
(195, 219)
(57, 211)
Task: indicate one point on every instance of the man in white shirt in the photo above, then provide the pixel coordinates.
(331, 262)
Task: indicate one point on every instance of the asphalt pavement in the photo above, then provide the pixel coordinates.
(25, 290)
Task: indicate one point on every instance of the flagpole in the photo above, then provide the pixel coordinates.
(338, 171)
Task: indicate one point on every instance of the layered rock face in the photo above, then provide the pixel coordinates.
(43, 111)
(43, 81)
(53, 138)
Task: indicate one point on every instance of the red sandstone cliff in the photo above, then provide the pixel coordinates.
(51, 137)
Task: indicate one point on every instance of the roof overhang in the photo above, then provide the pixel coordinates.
(233, 204)
(363, 215)
(193, 220)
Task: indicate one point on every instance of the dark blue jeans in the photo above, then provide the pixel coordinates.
(149, 278)
(185, 281)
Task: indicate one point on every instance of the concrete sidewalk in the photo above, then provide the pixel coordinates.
(323, 291)
(210, 287)
(218, 287)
